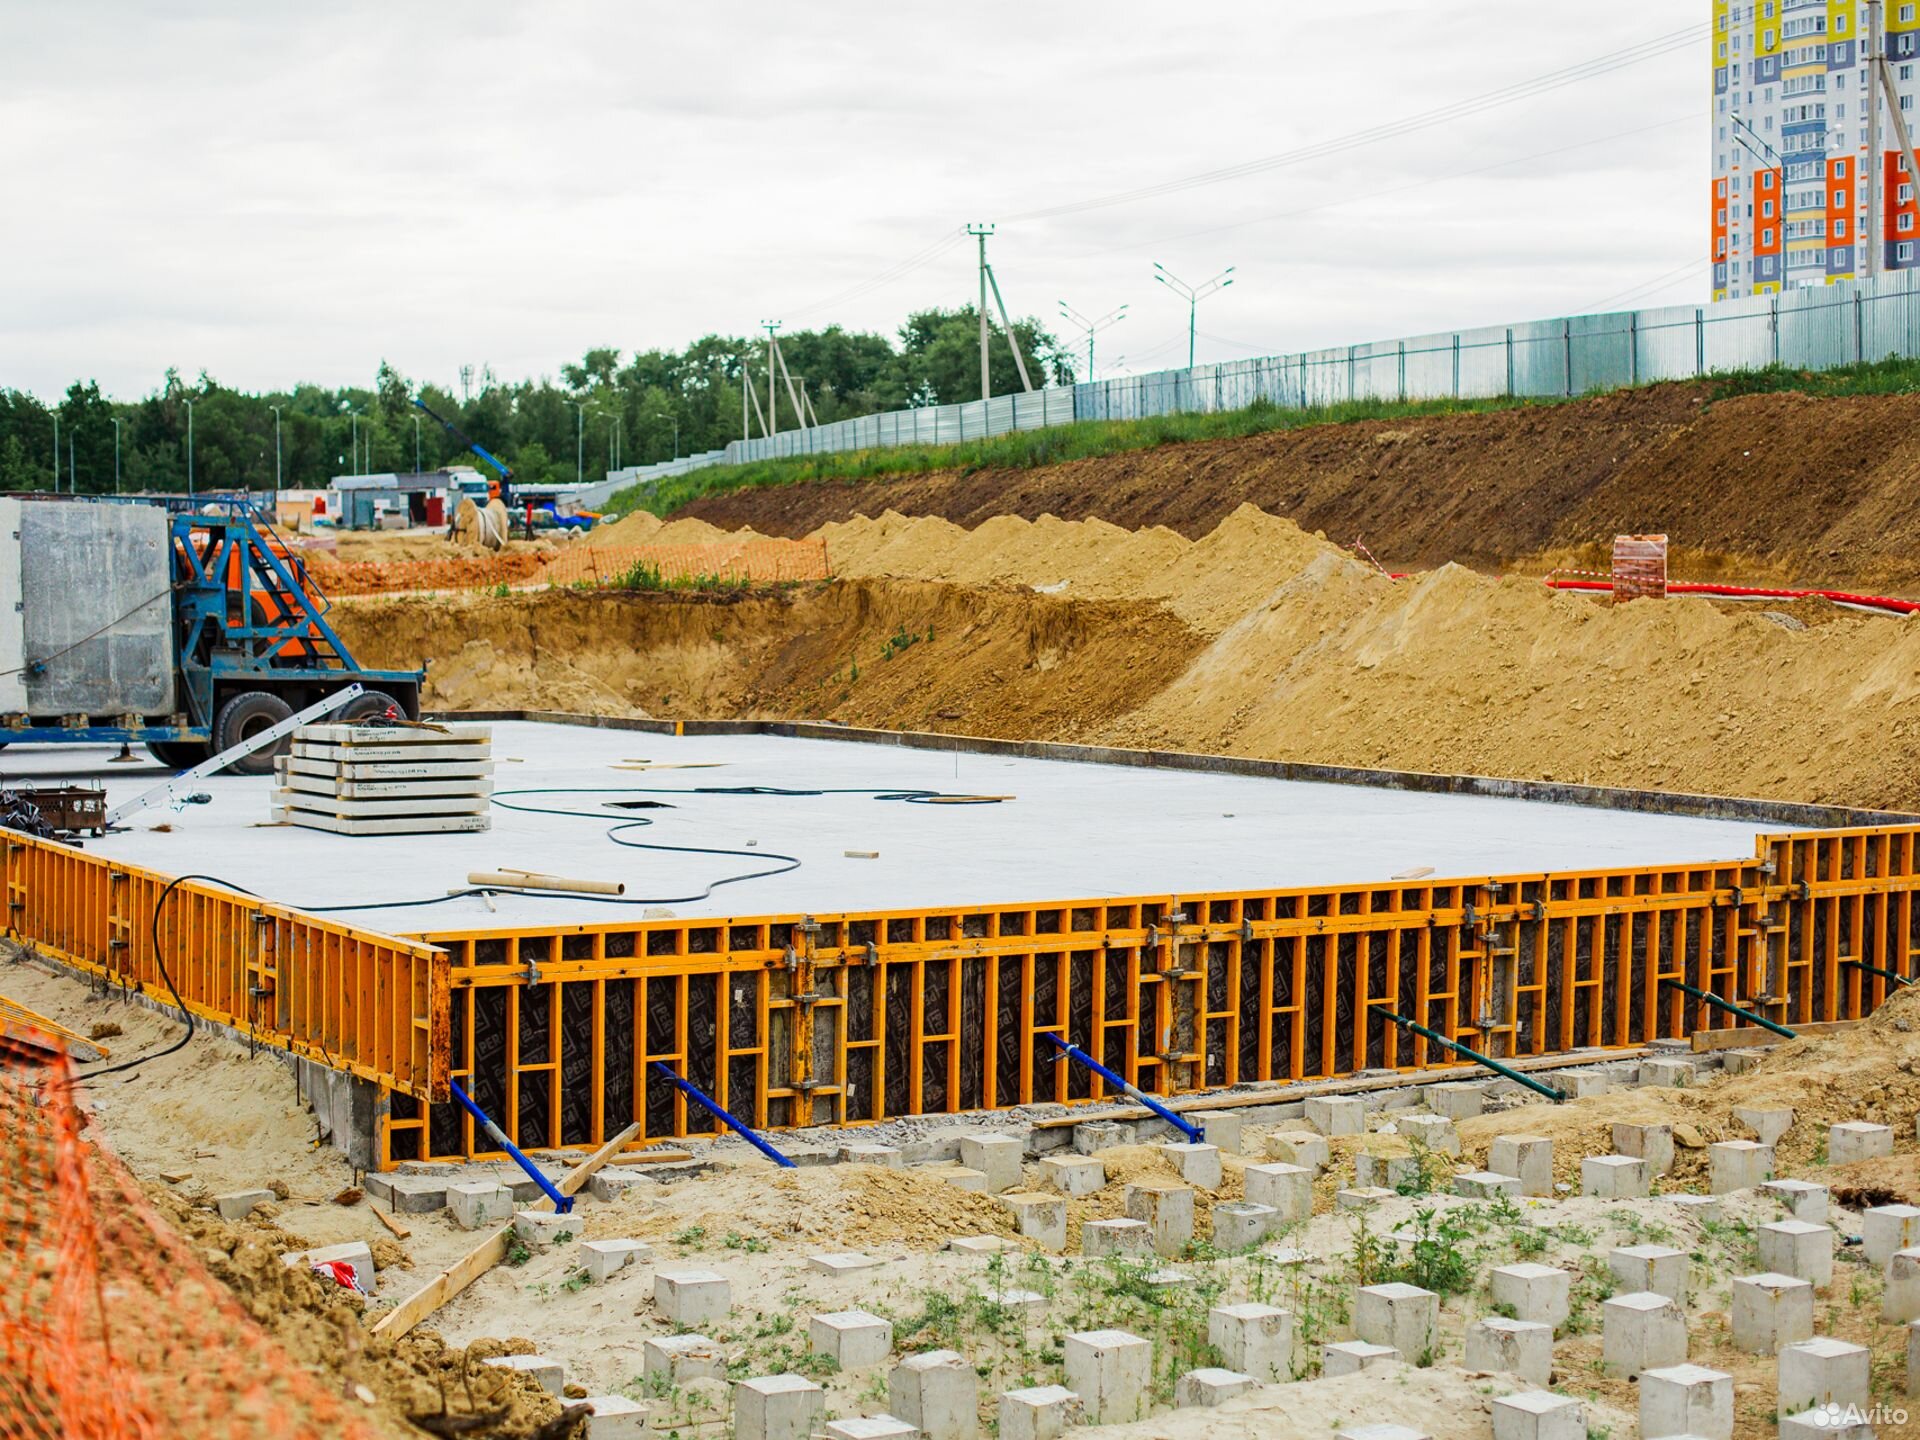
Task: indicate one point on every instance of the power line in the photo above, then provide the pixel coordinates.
(1651, 287)
(861, 289)
(1460, 109)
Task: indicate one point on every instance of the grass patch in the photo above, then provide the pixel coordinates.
(645, 575)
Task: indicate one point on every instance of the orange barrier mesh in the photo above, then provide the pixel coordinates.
(110, 1326)
(581, 563)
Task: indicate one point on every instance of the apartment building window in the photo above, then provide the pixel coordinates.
(1766, 239)
(1839, 228)
(1721, 218)
(1839, 24)
(1903, 252)
(1906, 72)
(1906, 102)
(1766, 209)
(1906, 194)
(1840, 170)
(1906, 14)
(1720, 189)
(1906, 222)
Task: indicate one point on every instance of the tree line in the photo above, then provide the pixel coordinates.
(640, 409)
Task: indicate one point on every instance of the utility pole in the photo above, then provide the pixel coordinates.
(1091, 327)
(772, 420)
(353, 425)
(1193, 296)
(276, 453)
(1882, 87)
(56, 452)
(72, 487)
(675, 421)
(466, 384)
(116, 456)
(1874, 182)
(986, 379)
(580, 442)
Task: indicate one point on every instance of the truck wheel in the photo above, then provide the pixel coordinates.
(178, 754)
(369, 705)
(245, 716)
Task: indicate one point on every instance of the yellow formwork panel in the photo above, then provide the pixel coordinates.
(369, 1004)
(850, 1019)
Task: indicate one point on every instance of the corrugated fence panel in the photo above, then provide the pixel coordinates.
(1806, 329)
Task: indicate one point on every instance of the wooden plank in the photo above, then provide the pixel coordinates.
(400, 1232)
(437, 734)
(404, 825)
(1743, 1037)
(404, 788)
(383, 809)
(387, 769)
(468, 751)
(490, 1251)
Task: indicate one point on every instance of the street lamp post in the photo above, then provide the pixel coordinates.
(116, 456)
(1091, 327)
(1192, 295)
(276, 448)
(189, 405)
(580, 442)
(56, 452)
(673, 420)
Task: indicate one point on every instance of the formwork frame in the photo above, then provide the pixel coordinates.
(855, 1018)
(373, 1005)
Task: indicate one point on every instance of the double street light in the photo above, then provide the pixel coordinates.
(1091, 328)
(1193, 295)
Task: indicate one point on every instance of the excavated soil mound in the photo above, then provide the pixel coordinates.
(1766, 486)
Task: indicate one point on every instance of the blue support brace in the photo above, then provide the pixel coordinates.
(1131, 1091)
(562, 1204)
(712, 1106)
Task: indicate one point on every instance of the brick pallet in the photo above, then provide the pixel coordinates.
(386, 780)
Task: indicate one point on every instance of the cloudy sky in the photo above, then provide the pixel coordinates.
(284, 193)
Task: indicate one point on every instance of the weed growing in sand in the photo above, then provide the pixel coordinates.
(752, 1244)
(1643, 1231)
(1439, 1260)
(517, 1253)
(901, 641)
(690, 1237)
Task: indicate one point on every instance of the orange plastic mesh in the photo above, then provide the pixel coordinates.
(109, 1325)
(751, 562)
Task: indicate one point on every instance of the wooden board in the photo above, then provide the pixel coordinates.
(394, 734)
(338, 789)
(400, 825)
(382, 754)
(325, 803)
(386, 770)
(1742, 1037)
(490, 1251)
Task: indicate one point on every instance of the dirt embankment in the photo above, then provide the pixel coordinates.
(1770, 486)
(1256, 639)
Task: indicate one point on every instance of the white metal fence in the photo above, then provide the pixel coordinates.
(1816, 329)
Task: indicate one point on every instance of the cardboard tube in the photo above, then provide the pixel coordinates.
(528, 880)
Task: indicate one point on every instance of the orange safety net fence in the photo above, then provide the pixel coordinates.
(582, 564)
(110, 1326)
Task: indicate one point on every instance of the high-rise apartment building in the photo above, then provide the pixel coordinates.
(1793, 130)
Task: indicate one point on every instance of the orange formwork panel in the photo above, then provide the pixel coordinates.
(372, 1005)
(855, 1018)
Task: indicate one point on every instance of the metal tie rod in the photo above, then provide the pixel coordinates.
(1732, 1009)
(1131, 1091)
(712, 1106)
(1894, 976)
(1505, 1072)
(562, 1204)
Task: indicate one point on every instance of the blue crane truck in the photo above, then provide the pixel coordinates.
(184, 625)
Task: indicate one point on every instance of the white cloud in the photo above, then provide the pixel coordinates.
(277, 194)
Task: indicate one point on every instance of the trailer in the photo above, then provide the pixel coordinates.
(185, 626)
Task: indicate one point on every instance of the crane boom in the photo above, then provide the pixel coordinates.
(506, 474)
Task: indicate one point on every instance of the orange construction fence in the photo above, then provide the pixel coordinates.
(110, 1324)
(582, 563)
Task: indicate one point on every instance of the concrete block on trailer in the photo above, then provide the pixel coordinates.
(1529, 1157)
(1221, 1129)
(1287, 1188)
(1405, 1317)
(1115, 1237)
(550, 1375)
(998, 1157)
(1804, 1199)
(1658, 1268)
(1643, 1331)
(1350, 1357)
(1771, 1312)
(1767, 1122)
(1337, 1114)
(1539, 1415)
(1300, 1147)
(1110, 1371)
(938, 1391)
(1886, 1229)
(1852, 1140)
(1686, 1400)
(1738, 1165)
(855, 1339)
(777, 1407)
(1511, 1347)
(1901, 1301)
(1651, 1143)
(1615, 1177)
(604, 1259)
(1045, 1412)
(1540, 1293)
(1167, 1210)
(1254, 1339)
(480, 1205)
(1798, 1248)
(1456, 1101)
(1824, 1371)
(1199, 1165)
(238, 1204)
(1203, 1389)
(1041, 1218)
(1430, 1132)
(1074, 1174)
(691, 1298)
(1485, 1185)
(680, 1359)
(1241, 1225)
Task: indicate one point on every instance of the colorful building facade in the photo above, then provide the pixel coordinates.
(1791, 91)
